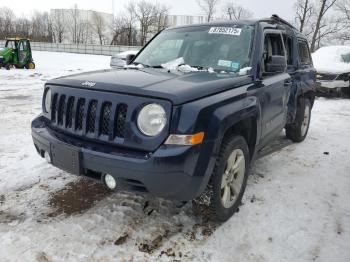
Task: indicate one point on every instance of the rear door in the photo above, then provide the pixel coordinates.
(306, 71)
(275, 88)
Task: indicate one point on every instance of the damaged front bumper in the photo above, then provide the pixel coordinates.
(169, 172)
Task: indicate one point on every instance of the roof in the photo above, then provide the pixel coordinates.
(219, 23)
(17, 38)
(274, 19)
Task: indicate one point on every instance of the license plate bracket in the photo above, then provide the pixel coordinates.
(66, 158)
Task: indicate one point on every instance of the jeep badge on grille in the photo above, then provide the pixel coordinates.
(88, 83)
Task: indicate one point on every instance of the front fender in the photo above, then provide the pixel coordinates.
(213, 115)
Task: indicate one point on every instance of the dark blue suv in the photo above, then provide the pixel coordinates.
(187, 116)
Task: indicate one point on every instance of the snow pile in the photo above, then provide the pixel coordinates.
(244, 71)
(180, 65)
(296, 206)
(329, 59)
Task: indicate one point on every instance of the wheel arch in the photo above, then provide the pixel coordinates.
(247, 128)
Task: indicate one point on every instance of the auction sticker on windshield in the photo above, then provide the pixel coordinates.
(225, 31)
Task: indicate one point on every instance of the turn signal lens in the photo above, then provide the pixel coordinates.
(318, 77)
(185, 140)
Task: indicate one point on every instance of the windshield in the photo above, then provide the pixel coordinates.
(225, 48)
(346, 58)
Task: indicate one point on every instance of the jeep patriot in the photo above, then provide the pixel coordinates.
(187, 116)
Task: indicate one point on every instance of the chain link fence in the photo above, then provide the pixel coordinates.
(79, 48)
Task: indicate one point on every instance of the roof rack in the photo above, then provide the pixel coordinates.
(278, 19)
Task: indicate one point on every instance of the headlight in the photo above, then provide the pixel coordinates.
(47, 100)
(151, 119)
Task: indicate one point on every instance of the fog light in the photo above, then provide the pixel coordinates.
(110, 181)
(47, 157)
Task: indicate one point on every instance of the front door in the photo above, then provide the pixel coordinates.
(275, 89)
(23, 53)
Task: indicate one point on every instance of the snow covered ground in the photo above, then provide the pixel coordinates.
(296, 207)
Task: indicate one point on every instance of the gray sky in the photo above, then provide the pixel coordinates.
(260, 8)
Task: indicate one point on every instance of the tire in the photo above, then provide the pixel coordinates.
(30, 65)
(219, 205)
(346, 92)
(8, 66)
(297, 131)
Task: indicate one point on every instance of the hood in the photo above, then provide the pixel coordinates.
(329, 60)
(177, 87)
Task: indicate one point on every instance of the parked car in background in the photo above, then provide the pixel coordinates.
(119, 60)
(333, 67)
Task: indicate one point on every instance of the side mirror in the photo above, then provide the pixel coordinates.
(129, 58)
(276, 64)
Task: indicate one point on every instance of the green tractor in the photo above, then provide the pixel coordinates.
(16, 53)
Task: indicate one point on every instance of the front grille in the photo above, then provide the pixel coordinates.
(120, 121)
(105, 118)
(61, 109)
(89, 116)
(343, 77)
(80, 114)
(328, 76)
(69, 114)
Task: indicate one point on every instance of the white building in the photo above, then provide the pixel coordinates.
(83, 26)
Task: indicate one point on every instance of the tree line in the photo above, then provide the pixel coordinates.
(322, 21)
(138, 21)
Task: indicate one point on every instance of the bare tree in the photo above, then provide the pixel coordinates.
(7, 18)
(304, 11)
(323, 7)
(78, 26)
(58, 25)
(130, 19)
(209, 7)
(118, 28)
(343, 8)
(41, 29)
(145, 14)
(161, 13)
(236, 12)
(99, 26)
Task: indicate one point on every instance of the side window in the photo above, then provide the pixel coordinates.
(289, 49)
(304, 53)
(21, 46)
(273, 46)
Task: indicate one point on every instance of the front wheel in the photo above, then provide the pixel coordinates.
(30, 65)
(298, 130)
(225, 190)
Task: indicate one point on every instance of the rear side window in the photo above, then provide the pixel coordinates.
(304, 53)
